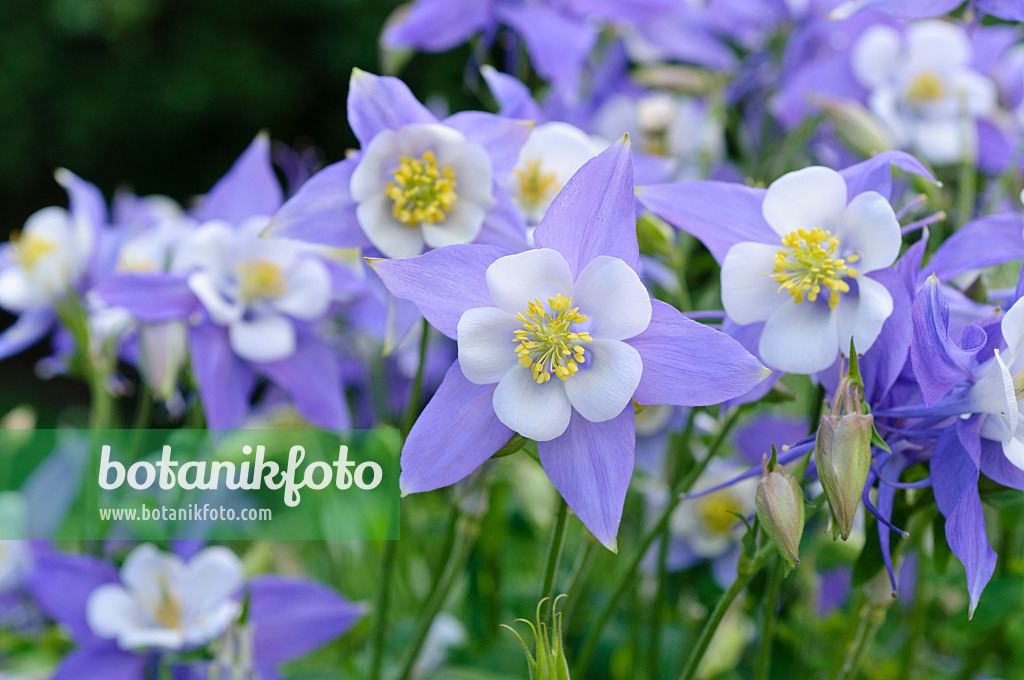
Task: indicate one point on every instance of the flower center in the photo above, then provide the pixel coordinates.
(421, 191)
(535, 185)
(809, 264)
(29, 249)
(168, 609)
(925, 88)
(547, 344)
(715, 511)
(260, 280)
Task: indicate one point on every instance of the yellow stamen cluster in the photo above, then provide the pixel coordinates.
(422, 192)
(809, 264)
(260, 280)
(29, 249)
(547, 344)
(926, 88)
(715, 512)
(535, 185)
(167, 612)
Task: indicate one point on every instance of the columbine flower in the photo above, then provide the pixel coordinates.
(556, 344)
(165, 603)
(810, 287)
(418, 182)
(923, 87)
(707, 523)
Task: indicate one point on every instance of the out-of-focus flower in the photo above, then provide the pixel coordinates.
(707, 524)
(556, 344)
(15, 563)
(925, 9)
(924, 89)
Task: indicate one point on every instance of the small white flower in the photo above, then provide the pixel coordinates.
(421, 185)
(255, 286)
(164, 603)
(923, 87)
(706, 523)
(999, 392)
(545, 325)
(809, 289)
(552, 154)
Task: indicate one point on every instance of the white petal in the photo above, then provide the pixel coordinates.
(278, 251)
(514, 281)
(875, 55)
(944, 141)
(51, 224)
(605, 386)
(211, 579)
(805, 199)
(1013, 330)
(375, 170)
(978, 91)
(870, 229)
(486, 344)
(17, 293)
(222, 311)
(994, 394)
(938, 46)
(210, 247)
(265, 338)
(471, 165)
(308, 290)
(1013, 449)
(538, 412)
(110, 610)
(388, 235)
(749, 294)
(151, 638)
(147, 570)
(861, 316)
(462, 225)
(800, 338)
(213, 623)
(614, 300)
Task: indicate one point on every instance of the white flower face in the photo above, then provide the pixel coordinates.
(421, 186)
(47, 259)
(706, 523)
(165, 604)
(255, 286)
(553, 344)
(552, 154)
(923, 88)
(809, 289)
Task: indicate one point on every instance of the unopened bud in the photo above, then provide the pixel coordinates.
(843, 454)
(857, 127)
(780, 509)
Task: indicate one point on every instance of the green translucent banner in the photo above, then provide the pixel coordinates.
(160, 485)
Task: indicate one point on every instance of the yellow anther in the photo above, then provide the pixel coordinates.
(536, 187)
(29, 249)
(547, 343)
(809, 265)
(715, 512)
(926, 88)
(421, 191)
(260, 280)
(167, 612)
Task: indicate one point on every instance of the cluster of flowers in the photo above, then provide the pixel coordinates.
(515, 236)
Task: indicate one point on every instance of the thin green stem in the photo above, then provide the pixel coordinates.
(626, 576)
(438, 593)
(416, 397)
(871, 619)
(771, 606)
(555, 547)
(380, 622)
(584, 564)
(654, 632)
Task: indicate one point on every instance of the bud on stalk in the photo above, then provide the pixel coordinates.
(843, 454)
(780, 509)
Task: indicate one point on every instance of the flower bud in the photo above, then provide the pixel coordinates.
(843, 455)
(780, 509)
(547, 661)
(856, 126)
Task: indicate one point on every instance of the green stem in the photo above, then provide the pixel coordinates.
(626, 576)
(654, 632)
(555, 549)
(380, 622)
(417, 384)
(871, 619)
(771, 606)
(438, 594)
(584, 564)
(746, 573)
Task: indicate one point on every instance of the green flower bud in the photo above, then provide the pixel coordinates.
(780, 509)
(857, 127)
(843, 454)
(547, 662)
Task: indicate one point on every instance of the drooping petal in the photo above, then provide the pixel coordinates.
(442, 283)
(291, 617)
(870, 229)
(805, 199)
(514, 98)
(591, 466)
(606, 385)
(456, 433)
(875, 174)
(537, 411)
(102, 662)
(225, 381)
(615, 301)
(517, 280)
(149, 297)
(486, 344)
(982, 242)
(378, 103)
(800, 338)
(30, 327)
(263, 338)
(312, 378)
(595, 212)
(249, 188)
(61, 585)
(322, 211)
(689, 364)
(749, 294)
(719, 214)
